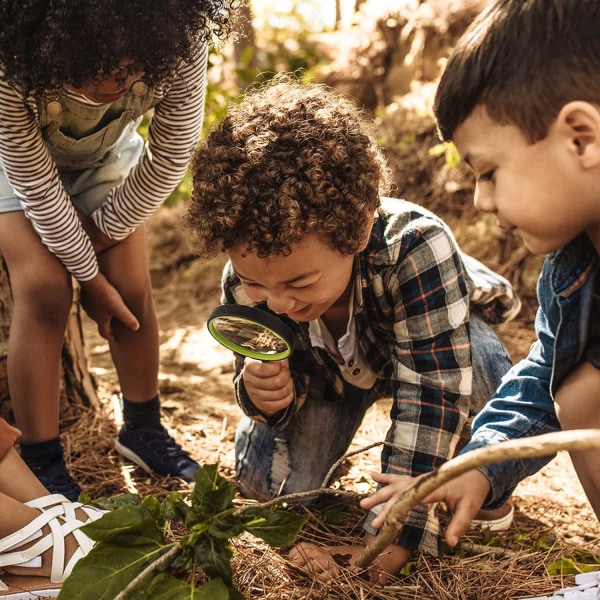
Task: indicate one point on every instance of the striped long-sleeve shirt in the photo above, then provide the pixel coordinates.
(31, 170)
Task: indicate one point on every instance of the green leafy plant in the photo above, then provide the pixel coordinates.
(137, 557)
(449, 151)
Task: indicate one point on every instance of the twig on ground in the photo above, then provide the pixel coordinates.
(153, 566)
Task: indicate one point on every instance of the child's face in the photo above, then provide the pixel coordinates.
(303, 285)
(538, 190)
(107, 89)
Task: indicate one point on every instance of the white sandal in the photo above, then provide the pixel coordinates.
(69, 508)
(16, 587)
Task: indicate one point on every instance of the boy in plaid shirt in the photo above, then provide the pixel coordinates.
(382, 302)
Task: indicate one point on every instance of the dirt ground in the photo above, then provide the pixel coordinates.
(554, 521)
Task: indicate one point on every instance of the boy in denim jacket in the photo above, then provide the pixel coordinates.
(520, 99)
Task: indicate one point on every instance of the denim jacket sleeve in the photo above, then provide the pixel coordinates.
(523, 404)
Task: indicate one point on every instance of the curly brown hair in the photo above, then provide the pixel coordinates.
(46, 44)
(288, 160)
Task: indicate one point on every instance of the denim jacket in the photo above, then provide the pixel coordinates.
(523, 405)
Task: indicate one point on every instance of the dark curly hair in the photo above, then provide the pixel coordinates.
(290, 159)
(45, 44)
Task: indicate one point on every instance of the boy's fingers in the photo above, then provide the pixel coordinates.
(458, 526)
(128, 319)
(105, 330)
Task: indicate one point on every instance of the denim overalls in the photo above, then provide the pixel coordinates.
(93, 145)
(524, 403)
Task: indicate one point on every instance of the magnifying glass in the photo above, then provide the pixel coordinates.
(251, 332)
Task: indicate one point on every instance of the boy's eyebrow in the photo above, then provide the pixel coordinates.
(468, 159)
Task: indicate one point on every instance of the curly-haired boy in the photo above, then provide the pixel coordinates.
(290, 186)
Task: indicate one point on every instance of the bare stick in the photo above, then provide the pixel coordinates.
(576, 440)
(153, 566)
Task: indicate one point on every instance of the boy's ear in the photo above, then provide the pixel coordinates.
(580, 122)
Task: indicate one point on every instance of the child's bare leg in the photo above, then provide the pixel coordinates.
(17, 481)
(42, 295)
(135, 353)
(578, 407)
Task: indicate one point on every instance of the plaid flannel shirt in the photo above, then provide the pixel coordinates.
(413, 291)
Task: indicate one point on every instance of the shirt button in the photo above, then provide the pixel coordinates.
(139, 88)
(356, 372)
(351, 362)
(54, 108)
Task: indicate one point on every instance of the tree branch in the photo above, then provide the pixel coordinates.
(576, 440)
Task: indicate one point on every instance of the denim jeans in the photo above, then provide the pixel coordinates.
(298, 458)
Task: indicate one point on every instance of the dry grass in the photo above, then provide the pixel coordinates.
(512, 565)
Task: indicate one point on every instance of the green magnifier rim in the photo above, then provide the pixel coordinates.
(252, 316)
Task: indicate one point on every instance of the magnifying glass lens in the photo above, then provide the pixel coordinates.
(251, 332)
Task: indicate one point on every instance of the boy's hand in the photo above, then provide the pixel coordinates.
(464, 496)
(268, 384)
(103, 303)
(326, 562)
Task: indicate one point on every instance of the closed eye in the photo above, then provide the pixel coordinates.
(487, 176)
(301, 287)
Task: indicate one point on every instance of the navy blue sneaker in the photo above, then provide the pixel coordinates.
(156, 452)
(56, 478)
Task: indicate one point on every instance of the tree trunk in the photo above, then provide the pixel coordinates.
(78, 386)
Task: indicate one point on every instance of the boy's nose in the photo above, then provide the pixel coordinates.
(483, 201)
(280, 304)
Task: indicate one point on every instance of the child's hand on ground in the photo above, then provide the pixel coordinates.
(326, 562)
(103, 303)
(268, 384)
(464, 496)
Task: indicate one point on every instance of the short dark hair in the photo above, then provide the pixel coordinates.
(44, 45)
(523, 60)
(289, 160)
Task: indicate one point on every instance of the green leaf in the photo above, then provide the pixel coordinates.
(277, 527)
(167, 587)
(154, 507)
(567, 566)
(214, 558)
(226, 526)
(212, 493)
(107, 570)
(175, 508)
(111, 503)
(127, 525)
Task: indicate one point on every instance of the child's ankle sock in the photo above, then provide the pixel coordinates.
(141, 415)
(39, 454)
